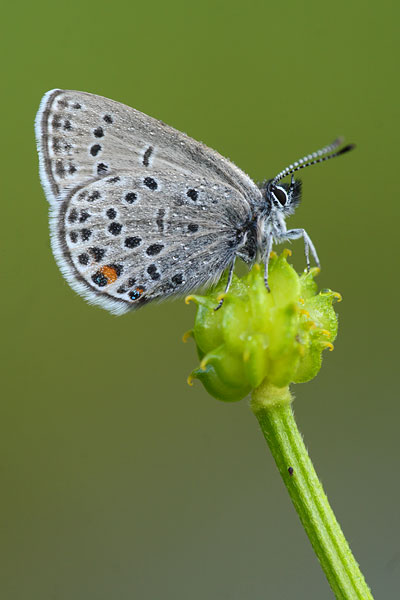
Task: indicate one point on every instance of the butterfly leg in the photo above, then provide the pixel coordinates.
(266, 261)
(228, 283)
(295, 234)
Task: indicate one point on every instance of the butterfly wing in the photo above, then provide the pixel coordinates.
(82, 137)
(124, 240)
(139, 210)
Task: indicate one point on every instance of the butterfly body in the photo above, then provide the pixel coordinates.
(140, 211)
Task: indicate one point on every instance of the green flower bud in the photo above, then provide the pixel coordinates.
(256, 334)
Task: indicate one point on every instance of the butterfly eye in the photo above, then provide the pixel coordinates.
(280, 194)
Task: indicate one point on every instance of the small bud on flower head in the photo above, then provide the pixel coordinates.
(257, 335)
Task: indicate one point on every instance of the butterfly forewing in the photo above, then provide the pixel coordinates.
(82, 137)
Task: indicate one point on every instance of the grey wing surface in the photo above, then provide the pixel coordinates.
(124, 240)
(82, 137)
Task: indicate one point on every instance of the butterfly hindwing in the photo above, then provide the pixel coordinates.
(126, 239)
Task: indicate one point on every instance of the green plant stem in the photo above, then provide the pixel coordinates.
(272, 407)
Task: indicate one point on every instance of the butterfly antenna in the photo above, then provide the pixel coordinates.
(314, 158)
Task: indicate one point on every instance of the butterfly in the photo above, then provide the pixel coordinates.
(140, 211)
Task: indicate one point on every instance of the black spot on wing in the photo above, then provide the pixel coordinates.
(152, 271)
(95, 149)
(132, 242)
(99, 279)
(111, 213)
(146, 156)
(93, 196)
(83, 258)
(177, 279)
(150, 183)
(97, 253)
(115, 228)
(192, 194)
(102, 168)
(130, 197)
(154, 249)
(86, 234)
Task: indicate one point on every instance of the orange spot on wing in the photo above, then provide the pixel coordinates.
(109, 273)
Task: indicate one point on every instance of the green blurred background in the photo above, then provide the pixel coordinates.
(117, 479)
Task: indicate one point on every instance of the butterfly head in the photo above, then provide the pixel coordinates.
(282, 197)
(285, 197)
